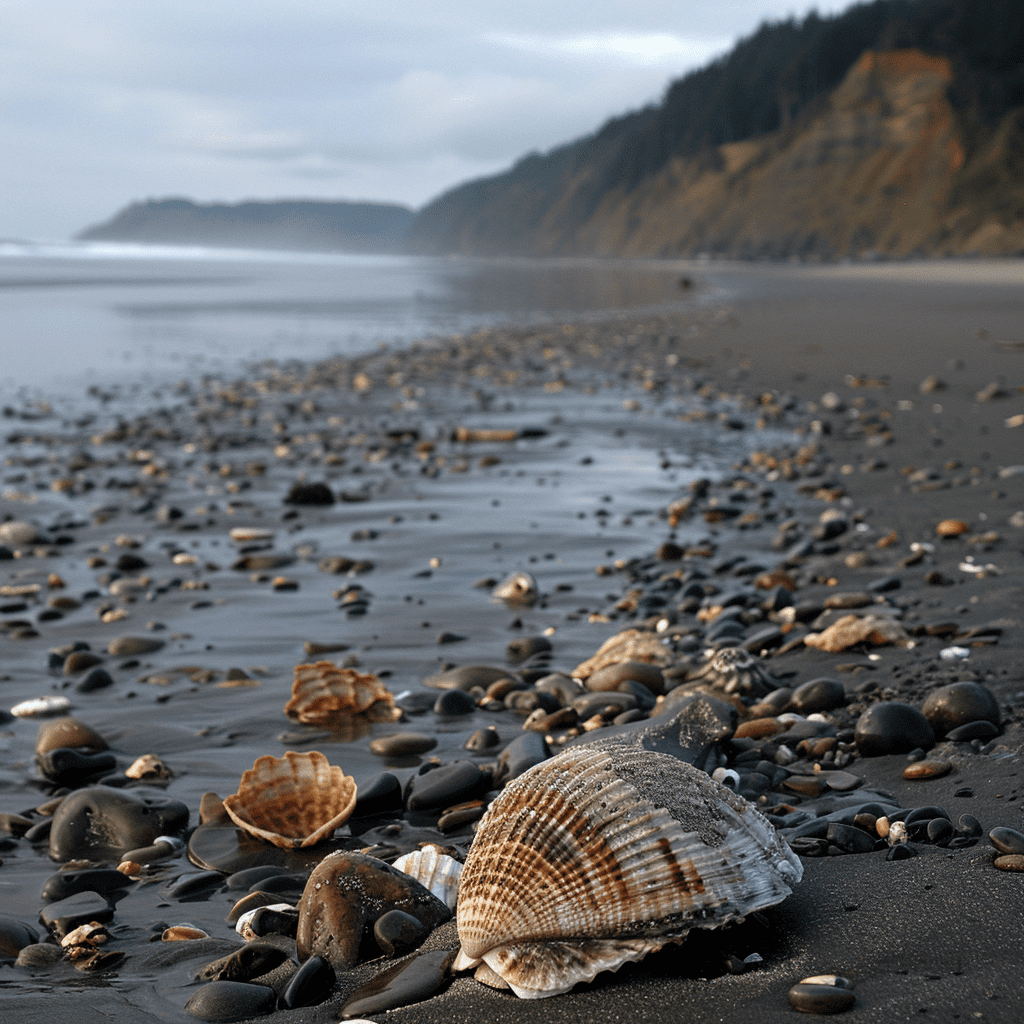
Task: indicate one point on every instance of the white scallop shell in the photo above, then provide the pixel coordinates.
(323, 693)
(434, 870)
(604, 854)
(292, 801)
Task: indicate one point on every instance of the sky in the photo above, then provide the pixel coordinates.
(105, 102)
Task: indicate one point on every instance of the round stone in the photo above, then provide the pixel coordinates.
(952, 528)
(68, 732)
(957, 704)
(398, 933)
(818, 695)
(231, 1000)
(101, 823)
(823, 999)
(15, 935)
(454, 702)
(890, 727)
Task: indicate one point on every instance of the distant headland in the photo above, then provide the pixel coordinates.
(305, 225)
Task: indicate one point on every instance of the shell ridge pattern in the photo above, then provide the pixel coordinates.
(598, 856)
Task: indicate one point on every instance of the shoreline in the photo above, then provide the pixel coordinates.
(643, 399)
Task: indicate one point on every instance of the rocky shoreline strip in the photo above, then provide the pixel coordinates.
(814, 577)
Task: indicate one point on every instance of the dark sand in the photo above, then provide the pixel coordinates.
(630, 411)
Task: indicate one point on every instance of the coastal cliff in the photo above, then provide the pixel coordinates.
(894, 129)
(295, 224)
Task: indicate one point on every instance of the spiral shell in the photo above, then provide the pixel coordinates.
(323, 693)
(604, 854)
(292, 801)
(734, 670)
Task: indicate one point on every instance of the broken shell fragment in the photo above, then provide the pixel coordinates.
(517, 588)
(323, 693)
(149, 766)
(603, 854)
(292, 801)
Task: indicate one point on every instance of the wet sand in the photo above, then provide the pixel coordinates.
(612, 422)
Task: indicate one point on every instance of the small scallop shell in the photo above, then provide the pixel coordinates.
(292, 801)
(603, 854)
(322, 692)
(735, 670)
(434, 870)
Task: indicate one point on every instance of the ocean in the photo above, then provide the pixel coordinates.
(76, 315)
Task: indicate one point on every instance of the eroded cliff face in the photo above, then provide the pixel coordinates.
(876, 167)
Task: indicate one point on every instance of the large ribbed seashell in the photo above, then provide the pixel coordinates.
(322, 692)
(434, 870)
(292, 801)
(603, 854)
(734, 670)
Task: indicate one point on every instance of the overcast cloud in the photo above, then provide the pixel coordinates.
(105, 101)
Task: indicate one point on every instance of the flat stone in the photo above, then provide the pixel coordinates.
(1010, 862)
(231, 1000)
(929, 768)
(131, 646)
(66, 915)
(1007, 840)
(403, 744)
(821, 999)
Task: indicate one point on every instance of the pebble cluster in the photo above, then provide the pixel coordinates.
(777, 637)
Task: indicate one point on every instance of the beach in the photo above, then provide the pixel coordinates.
(704, 444)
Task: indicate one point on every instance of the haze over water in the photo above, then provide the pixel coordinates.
(75, 315)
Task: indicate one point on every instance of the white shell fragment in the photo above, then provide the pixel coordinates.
(40, 707)
(434, 870)
(248, 534)
(517, 588)
(603, 854)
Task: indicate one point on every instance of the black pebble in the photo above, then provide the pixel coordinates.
(821, 999)
(454, 702)
(310, 985)
(1007, 840)
(98, 679)
(979, 730)
(398, 933)
(231, 1000)
(381, 795)
(890, 727)
(451, 784)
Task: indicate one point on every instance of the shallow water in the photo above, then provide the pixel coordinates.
(102, 313)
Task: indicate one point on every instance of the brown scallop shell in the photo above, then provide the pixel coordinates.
(292, 801)
(323, 693)
(603, 854)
